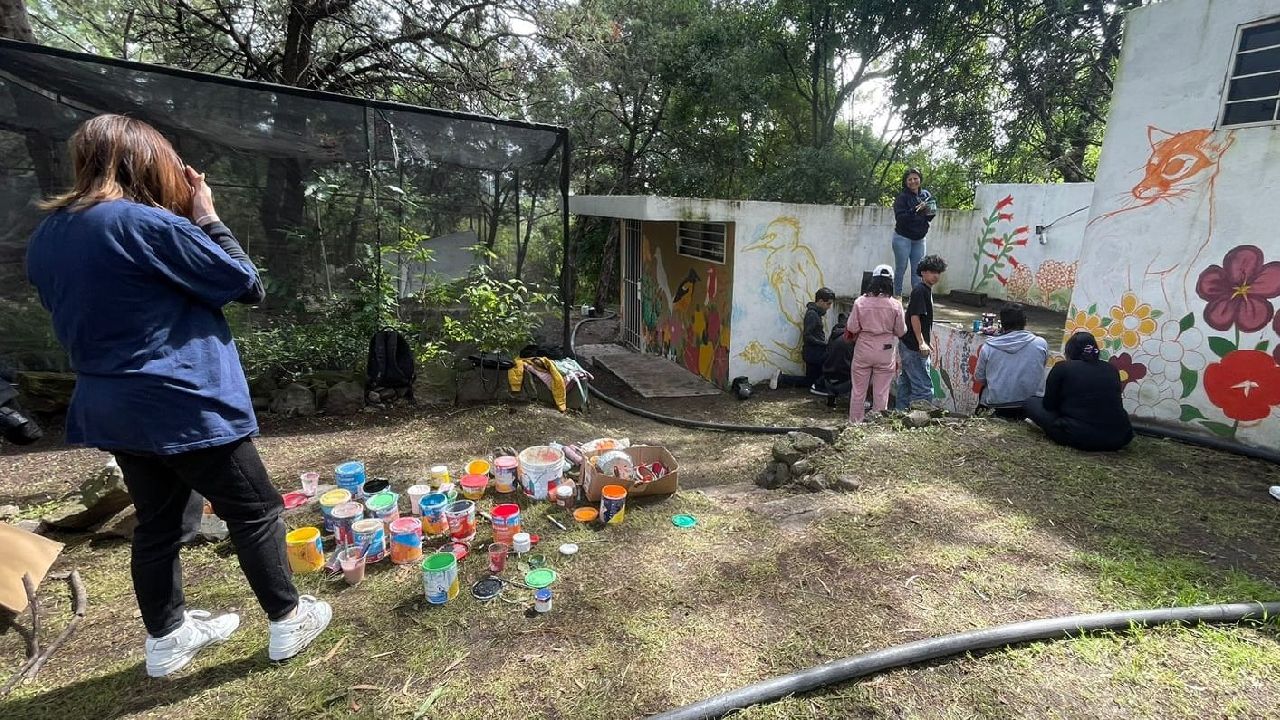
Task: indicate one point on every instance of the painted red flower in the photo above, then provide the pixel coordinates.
(973, 372)
(1239, 291)
(1005, 202)
(1130, 371)
(1245, 385)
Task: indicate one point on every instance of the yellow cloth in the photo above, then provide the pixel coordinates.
(515, 378)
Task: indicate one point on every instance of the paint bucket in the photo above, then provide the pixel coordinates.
(440, 577)
(310, 483)
(473, 486)
(506, 521)
(345, 516)
(478, 466)
(406, 541)
(305, 550)
(432, 509)
(613, 504)
(373, 487)
(450, 491)
(565, 495)
(540, 470)
(351, 560)
(371, 536)
(440, 475)
(416, 493)
(462, 520)
(522, 542)
(542, 600)
(504, 474)
(331, 500)
(498, 557)
(385, 506)
(350, 476)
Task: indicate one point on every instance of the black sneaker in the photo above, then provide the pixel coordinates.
(820, 392)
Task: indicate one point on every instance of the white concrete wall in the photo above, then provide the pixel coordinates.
(1180, 270)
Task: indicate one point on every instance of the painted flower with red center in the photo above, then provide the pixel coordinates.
(1239, 291)
(1130, 371)
(1245, 385)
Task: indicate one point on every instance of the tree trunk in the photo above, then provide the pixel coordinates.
(14, 22)
(607, 286)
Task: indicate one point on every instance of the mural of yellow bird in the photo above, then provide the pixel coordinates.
(790, 267)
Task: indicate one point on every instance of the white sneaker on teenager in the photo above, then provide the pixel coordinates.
(172, 652)
(289, 636)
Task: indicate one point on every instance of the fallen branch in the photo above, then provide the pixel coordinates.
(80, 602)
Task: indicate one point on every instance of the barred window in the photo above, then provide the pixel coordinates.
(1253, 84)
(701, 240)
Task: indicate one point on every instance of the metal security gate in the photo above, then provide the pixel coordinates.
(631, 309)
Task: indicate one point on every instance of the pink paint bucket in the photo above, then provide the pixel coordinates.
(506, 521)
(504, 474)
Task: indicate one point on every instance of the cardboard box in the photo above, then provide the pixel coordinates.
(640, 455)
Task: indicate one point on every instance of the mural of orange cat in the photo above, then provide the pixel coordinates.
(1179, 165)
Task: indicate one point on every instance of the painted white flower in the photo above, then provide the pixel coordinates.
(1152, 398)
(1170, 349)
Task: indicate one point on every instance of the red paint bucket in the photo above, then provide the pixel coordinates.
(506, 521)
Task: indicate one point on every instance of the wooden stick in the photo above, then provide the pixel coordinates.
(80, 600)
(34, 644)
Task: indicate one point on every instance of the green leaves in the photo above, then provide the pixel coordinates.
(1187, 322)
(1220, 429)
(1221, 346)
(1189, 379)
(1190, 412)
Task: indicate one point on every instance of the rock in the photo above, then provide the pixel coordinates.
(804, 442)
(71, 515)
(814, 483)
(261, 404)
(785, 452)
(106, 488)
(264, 386)
(294, 400)
(848, 484)
(46, 392)
(8, 512)
(212, 529)
(802, 467)
(31, 526)
(121, 525)
(767, 477)
(344, 398)
(918, 418)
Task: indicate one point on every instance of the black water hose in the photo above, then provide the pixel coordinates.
(1214, 443)
(948, 645)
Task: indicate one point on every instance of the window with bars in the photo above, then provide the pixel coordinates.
(704, 241)
(1253, 84)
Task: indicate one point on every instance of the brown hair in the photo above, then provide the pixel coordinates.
(117, 157)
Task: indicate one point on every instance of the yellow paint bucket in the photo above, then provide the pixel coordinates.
(305, 550)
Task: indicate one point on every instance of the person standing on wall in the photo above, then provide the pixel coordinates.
(913, 210)
(814, 345)
(135, 267)
(915, 384)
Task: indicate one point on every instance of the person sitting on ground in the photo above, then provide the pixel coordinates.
(1082, 407)
(836, 367)
(876, 322)
(1011, 364)
(814, 350)
(915, 384)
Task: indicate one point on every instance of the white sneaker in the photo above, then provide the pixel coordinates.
(288, 637)
(172, 652)
(1275, 491)
(773, 380)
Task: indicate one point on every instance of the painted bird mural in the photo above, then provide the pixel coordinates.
(684, 292)
(790, 267)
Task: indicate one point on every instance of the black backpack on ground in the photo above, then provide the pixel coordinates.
(391, 362)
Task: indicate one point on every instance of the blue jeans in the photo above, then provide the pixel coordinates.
(906, 250)
(914, 382)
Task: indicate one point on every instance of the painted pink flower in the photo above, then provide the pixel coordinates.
(1239, 291)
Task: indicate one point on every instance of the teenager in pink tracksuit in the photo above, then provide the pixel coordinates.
(877, 322)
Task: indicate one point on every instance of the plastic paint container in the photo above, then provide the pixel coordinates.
(540, 578)
(385, 506)
(440, 475)
(498, 557)
(416, 493)
(565, 495)
(350, 476)
(440, 577)
(331, 500)
(613, 504)
(432, 509)
(473, 486)
(344, 517)
(504, 474)
(371, 536)
(406, 541)
(586, 514)
(462, 520)
(506, 521)
(476, 466)
(305, 550)
(310, 483)
(542, 600)
(450, 491)
(540, 470)
(351, 560)
(521, 543)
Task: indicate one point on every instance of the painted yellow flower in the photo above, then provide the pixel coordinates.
(1082, 321)
(1131, 321)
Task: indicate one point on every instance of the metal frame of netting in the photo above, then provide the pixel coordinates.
(276, 135)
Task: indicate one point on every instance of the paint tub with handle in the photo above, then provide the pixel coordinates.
(473, 486)
(329, 501)
(371, 536)
(344, 517)
(440, 577)
(416, 493)
(504, 474)
(613, 504)
(350, 476)
(478, 466)
(440, 475)
(540, 469)
(406, 541)
(505, 519)
(462, 520)
(385, 506)
(433, 519)
(305, 550)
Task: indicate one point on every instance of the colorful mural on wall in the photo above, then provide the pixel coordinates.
(954, 363)
(791, 276)
(1048, 284)
(687, 320)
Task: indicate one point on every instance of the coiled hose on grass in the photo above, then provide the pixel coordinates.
(949, 645)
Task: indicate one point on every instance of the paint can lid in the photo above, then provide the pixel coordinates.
(569, 549)
(585, 514)
(439, 469)
(294, 499)
(684, 521)
(486, 589)
(351, 467)
(540, 578)
(542, 595)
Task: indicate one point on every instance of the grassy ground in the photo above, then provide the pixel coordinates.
(954, 528)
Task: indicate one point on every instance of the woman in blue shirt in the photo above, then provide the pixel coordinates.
(135, 266)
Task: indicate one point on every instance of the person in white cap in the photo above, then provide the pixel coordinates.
(875, 324)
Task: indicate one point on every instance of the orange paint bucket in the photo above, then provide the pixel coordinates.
(613, 504)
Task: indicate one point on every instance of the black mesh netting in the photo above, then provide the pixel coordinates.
(323, 190)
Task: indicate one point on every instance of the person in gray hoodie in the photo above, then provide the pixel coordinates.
(1011, 364)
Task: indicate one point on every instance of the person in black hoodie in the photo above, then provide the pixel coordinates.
(838, 365)
(913, 209)
(1081, 407)
(814, 350)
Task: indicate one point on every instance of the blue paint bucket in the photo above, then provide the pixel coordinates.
(350, 476)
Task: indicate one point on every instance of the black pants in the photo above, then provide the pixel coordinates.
(812, 371)
(164, 490)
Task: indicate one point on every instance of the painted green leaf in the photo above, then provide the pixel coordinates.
(1189, 380)
(1156, 313)
(1221, 346)
(1187, 322)
(1093, 309)
(1219, 429)
(1190, 412)
(1263, 346)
